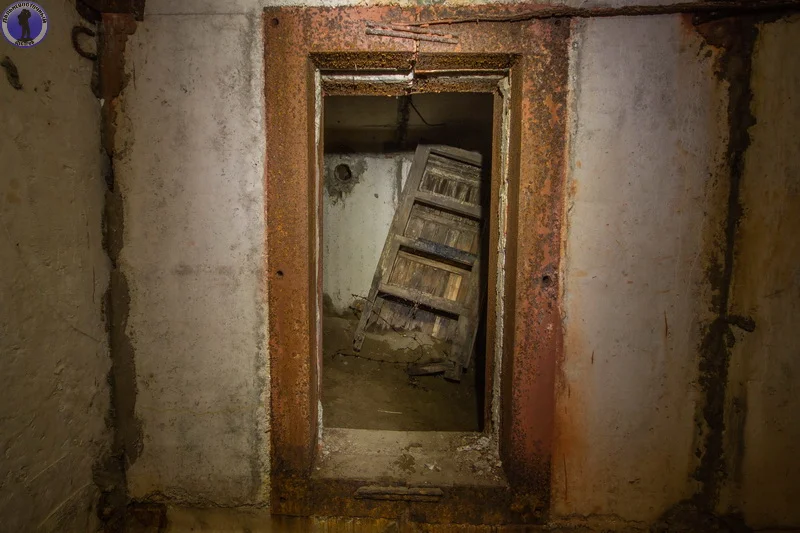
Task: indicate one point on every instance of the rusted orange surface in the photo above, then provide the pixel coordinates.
(533, 338)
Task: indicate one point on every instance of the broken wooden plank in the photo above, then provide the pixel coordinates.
(423, 299)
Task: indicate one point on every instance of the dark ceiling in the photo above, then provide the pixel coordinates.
(375, 124)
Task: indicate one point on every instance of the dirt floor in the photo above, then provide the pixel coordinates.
(371, 389)
(216, 520)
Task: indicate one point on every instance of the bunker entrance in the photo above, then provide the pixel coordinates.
(406, 187)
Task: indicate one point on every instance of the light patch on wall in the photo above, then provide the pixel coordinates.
(356, 227)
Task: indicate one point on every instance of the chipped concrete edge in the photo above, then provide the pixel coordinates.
(110, 471)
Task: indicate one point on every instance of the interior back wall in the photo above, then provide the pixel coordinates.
(356, 220)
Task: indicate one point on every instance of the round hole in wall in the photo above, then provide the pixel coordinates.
(547, 280)
(280, 273)
(343, 172)
(274, 22)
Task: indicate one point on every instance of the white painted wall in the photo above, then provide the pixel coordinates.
(355, 227)
(54, 357)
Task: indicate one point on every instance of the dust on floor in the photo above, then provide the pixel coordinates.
(410, 458)
(371, 389)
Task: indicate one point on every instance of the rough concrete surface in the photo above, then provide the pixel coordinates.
(648, 134)
(53, 275)
(762, 425)
(647, 137)
(646, 197)
(190, 168)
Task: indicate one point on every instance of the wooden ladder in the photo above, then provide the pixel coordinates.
(431, 258)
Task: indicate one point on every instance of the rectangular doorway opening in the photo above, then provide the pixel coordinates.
(500, 474)
(405, 249)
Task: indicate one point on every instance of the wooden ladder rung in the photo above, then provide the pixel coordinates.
(434, 302)
(448, 204)
(444, 214)
(457, 154)
(439, 250)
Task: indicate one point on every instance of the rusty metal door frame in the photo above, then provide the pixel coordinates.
(311, 50)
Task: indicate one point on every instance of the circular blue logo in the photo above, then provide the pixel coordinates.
(24, 24)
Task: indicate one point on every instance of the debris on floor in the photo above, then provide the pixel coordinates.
(371, 389)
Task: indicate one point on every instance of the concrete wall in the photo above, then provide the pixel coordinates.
(53, 275)
(356, 222)
(647, 203)
(764, 381)
(190, 170)
(648, 131)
